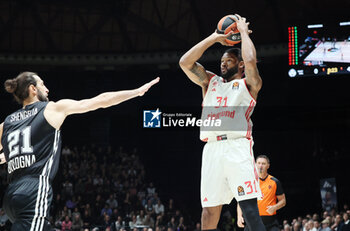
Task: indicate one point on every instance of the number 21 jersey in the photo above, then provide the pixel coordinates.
(32, 147)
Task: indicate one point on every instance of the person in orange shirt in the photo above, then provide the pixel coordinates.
(273, 197)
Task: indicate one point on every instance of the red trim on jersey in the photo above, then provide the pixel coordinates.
(207, 88)
(251, 153)
(249, 109)
(247, 116)
(248, 89)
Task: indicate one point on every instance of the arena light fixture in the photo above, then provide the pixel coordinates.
(344, 24)
(315, 26)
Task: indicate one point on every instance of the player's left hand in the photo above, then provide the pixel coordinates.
(271, 209)
(240, 221)
(142, 90)
(242, 25)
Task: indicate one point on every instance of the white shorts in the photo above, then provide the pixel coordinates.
(228, 171)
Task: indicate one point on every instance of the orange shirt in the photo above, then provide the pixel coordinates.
(270, 188)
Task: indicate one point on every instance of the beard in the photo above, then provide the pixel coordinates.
(42, 97)
(230, 72)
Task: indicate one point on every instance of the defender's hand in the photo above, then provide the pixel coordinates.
(142, 90)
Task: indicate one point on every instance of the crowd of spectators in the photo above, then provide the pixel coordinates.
(105, 189)
(327, 221)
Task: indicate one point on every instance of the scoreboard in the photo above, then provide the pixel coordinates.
(319, 49)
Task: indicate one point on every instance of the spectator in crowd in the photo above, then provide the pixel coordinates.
(181, 226)
(67, 189)
(172, 224)
(140, 218)
(119, 223)
(159, 208)
(149, 207)
(107, 223)
(66, 151)
(79, 187)
(287, 227)
(303, 224)
(198, 226)
(113, 203)
(315, 217)
(88, 220)
(317, 226)
(346, 222)
(106, 210)
(325, 225)
(133, 223)
(149, 222)
(151, 190)
(171, 208)
(337, 222)
(77, 223)
(66, 224)
(297, 226)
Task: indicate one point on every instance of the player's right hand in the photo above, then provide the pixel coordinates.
(142, 90)
(221, 38)
(240, 221)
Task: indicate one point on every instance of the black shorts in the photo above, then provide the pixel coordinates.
(27, 202)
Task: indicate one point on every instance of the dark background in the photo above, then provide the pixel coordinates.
(301, 124)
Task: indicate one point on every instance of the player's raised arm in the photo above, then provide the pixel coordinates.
(188, 62)
(56, 112)
(253, 78)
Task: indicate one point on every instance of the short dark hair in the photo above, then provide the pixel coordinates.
(236, 52)
(19, 85)
(265, 157)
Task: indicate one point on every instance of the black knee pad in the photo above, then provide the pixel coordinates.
(251, 215)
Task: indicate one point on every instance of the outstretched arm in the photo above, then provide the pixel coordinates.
(253, 79)
(194, 70)
(56, 112)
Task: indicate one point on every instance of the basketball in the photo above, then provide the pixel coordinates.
(227, 24)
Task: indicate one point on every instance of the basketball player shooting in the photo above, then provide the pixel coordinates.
(228, 166)
(31, 141)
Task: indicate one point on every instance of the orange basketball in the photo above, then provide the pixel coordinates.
(227, 24)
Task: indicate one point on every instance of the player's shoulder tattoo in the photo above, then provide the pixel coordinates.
(199, 72)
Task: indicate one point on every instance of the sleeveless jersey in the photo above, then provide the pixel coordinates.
(230, 102)
(31, 145)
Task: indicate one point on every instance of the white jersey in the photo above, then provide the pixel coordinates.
(232, 103)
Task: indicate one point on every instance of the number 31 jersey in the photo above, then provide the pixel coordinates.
(32, 147)
(232, 104)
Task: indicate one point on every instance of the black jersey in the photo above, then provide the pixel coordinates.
(32, 147)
